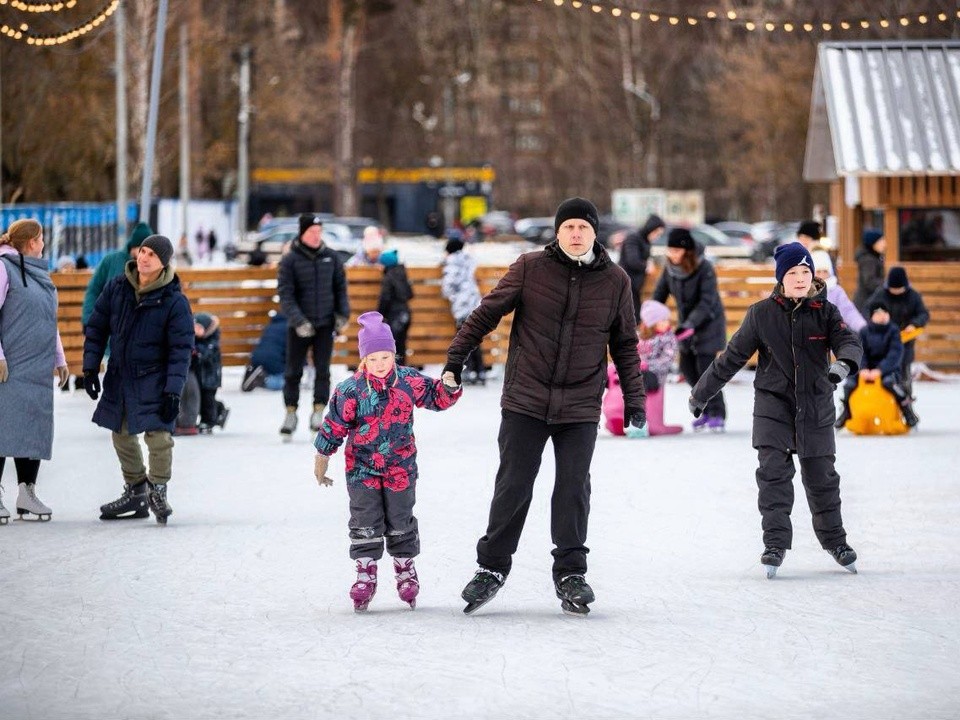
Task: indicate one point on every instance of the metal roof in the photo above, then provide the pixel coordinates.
(884, 108)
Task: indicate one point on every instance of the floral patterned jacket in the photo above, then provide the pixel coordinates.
(375, 416)
(658, 353)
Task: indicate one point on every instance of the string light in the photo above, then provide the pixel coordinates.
(62, 37)
(39, 7)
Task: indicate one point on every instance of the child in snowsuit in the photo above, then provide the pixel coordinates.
(658, 350)
(882, 356)
(373, 411)
(794, 331)
(459, 286)
(394, 301)
(207, 365)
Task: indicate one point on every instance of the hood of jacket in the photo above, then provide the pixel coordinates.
(166, 277)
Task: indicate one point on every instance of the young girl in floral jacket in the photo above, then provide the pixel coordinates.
(373, 411)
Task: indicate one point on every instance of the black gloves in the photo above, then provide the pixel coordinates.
(838, 372)
(696, 409)
(634, 416)
(455, 369)
(169, 407)
(91, 383)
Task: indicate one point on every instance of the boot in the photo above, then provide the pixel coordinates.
(365, 587)
(223, 412)
(408, 586)
(316, 419)
(4, 513)
(906, 404)
(131, 504)
(846, 556)
(29, 504)
(289, 423)
(655, 424)
(158, 502)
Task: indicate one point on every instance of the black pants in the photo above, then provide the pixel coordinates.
(474, 361)
(209, 407)
(522, 440)
(27, 469)
(297, 347)
(906, 371)
(693, 365)
(822, 485)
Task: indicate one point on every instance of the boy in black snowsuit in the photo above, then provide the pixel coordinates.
(794, 331)
(882, 357)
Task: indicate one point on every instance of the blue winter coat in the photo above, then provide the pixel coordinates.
(882, 348)
(271, 350)
(151, 338)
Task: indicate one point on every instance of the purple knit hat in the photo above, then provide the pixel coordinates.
(374, 335)
(652, 312)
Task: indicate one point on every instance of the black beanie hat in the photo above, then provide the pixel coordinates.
(789, 256)
(681, 238)
(454, 245)
(308, 220)
(161, 246)
(897, 278)
(875, 305)
(870, 237)
(810, 228)
(576, 208)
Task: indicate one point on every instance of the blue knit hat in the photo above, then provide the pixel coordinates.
(870, 237)
(789, 256)
(374, 335)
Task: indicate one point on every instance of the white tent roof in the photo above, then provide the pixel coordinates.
(885, 108)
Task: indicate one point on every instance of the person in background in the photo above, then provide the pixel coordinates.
(869, 267)
(794, 331)
(394, 301)
(30, 351)
(808, 235)
(370, 248)
(111, 266)
(635, 256)
(907, 312)
(147, 318)
(66, 264)
(692, 282)
(459, 286)
(313, 296)
(823, 269)
(206, 373)
(267, 361)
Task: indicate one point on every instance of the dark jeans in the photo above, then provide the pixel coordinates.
(693, 365)
(297, 347)
(474, 361)
(822, 485)
(27, 469)
(522, 440)
(209, 407)
(376, 513)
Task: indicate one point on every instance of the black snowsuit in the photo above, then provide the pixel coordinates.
(793, 409)
(394, 305)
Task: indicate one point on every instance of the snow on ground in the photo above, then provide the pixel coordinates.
(239, 607)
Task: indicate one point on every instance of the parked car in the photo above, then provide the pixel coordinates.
(535, 229)
(496, 222)
(740, 231)
(337, 236)
(778, 235)
(358, 224)
(714, 243)
(610, 226)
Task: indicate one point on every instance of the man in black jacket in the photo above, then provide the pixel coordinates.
(793, 331)
(634, 256)
(571, 306)
(313, 295)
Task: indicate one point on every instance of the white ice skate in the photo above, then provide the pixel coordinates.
(4, 513)
(289, 425)
(29, 504)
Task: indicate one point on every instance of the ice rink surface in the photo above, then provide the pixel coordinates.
(239, 607)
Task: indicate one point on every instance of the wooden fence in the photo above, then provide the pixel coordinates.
(243, 298)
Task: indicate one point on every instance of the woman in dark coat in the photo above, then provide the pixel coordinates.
(692, 282)
(394, 302)
(634, 255)
(794, 331)
(869, 267)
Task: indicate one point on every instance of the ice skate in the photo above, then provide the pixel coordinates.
(575, 595)
(408, 586)
(4, 513)
(316, 418)
(289, 424)
(481, 589)
(29, 504)
(365, 587)
(253, 378)
(158, 502)
(716, 424)
(846, 556)
(223, 412)
(771, 560)
(700, 424)
(131, 504)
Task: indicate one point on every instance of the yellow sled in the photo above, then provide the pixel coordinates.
(874, 410)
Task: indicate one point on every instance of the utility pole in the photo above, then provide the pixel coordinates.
(150, 150)
(184, 133)
(120, 61)
(243, 138)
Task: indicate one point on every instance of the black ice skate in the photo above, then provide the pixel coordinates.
(772, 559)
(575, 594)
(130, 505)
(846, 556)
(158, 502)
(481, 589)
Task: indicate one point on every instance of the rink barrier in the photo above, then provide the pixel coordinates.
(244, 299)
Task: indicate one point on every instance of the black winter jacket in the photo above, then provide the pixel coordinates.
(882, 349)
(635, 252)
(312, 286)
(905, 309)
(395, 297)
(869, 276)
(793, 407)
(566, 316)
(698, 306)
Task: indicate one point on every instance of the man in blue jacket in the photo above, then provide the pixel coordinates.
(147, 319)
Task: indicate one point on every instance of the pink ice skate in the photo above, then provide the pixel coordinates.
(408, 586)
(365, 587)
